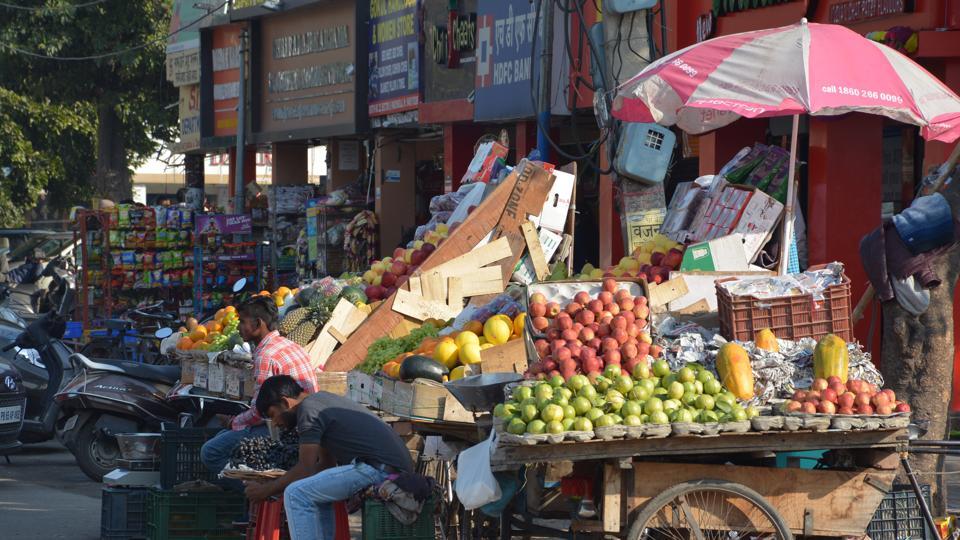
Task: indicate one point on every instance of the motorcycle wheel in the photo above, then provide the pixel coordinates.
(96, 453)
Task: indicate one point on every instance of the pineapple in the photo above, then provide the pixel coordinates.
(293, 319)
(303, 334)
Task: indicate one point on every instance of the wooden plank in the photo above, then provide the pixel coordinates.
(506, 457)
(841, 503)
(346, 318)
(527, 198)
(511, 357)
(696, 308)
(666, 292)
(612, 492)
(479, 257)
(414, 285)
(421, 309)
(477, 288)
(434, 288)
(338, 336)
(464, 239)
(537, 258)
(455, 292)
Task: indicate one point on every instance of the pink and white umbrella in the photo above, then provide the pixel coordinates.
(817, 69)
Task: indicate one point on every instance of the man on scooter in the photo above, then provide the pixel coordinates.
(273, 354)
(344, 448)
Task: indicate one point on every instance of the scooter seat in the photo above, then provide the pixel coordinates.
(149, 372)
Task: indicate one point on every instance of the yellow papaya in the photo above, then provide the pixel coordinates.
(733, 366)
(766, 340)
(830, 358)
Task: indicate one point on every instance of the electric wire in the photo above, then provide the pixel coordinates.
(51, 8)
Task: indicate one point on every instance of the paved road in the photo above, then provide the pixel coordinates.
(43, 494)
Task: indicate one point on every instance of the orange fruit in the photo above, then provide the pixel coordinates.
(230, 309)
(220, 314)
(191, 324)
(474, 326)
(182, 330)
(198, 334)
(185, 344)
(264, 293)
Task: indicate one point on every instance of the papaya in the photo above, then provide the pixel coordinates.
(830, 358)
(733, 366)
(766, 340)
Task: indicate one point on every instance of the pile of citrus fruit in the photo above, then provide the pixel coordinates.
(216, 334)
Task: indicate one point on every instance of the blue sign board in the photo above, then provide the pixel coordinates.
(505, 66)
(394, 57)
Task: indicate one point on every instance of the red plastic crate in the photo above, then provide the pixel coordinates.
(789, 317)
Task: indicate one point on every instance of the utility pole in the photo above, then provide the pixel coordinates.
(546, 65)
(238, 205)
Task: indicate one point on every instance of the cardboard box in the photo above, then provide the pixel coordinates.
(511, 357)
(423, 400)
(334, 382)
(364, 389)
(701, 289)
(722, 254)
(557, 207)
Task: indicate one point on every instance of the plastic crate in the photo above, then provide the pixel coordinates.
(899, 517)
(379, 523)
(193, 515)
(180, 455)
(123, 513)
(790, 317)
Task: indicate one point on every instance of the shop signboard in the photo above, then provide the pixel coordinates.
(225, 62)
(183, 45)
(189, 118)
(221, 224)
(854, 11)
(394, 57)
(308, 64)
(449, 56)
(507, 62)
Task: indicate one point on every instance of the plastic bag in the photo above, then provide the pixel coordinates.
(476, 485)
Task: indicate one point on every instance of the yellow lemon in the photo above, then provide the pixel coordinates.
(518, 324)
(446, 353)
(497, 331)
(470, 353)
(466, 337)
(483, 339)
(458, 372)
(283, 291)
(504, 318)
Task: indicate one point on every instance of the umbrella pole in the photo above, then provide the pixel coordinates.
(787, 230)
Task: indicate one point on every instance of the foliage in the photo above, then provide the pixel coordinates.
(39, 143)
(131, 86)
(385, 349)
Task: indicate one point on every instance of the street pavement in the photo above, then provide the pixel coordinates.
(43, 494)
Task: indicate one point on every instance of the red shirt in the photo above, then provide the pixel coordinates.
(277, 355)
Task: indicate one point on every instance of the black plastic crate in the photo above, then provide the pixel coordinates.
(899, 516)
(379, 523)
(194, 515)
(123, 513)
(180, 455)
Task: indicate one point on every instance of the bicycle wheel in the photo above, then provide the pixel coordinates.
(708, 509)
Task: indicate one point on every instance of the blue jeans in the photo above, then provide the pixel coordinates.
(217, 451)
(309, 502)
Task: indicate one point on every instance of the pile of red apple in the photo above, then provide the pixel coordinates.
(831, 396)
(386, 275)
(590, 333)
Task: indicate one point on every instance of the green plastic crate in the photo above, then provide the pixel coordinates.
(193, 516)
(379, 523)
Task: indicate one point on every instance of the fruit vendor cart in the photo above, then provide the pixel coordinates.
(707, 486)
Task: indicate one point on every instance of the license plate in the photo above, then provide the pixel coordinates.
(10, 414)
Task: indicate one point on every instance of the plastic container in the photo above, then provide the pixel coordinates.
(180, 455)
(899, 517)
(644, 152)
(193, 516)
(379, 523)
(790, 317)
(803, 460)
(123, 513)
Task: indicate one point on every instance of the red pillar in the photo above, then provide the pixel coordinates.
(845, 193)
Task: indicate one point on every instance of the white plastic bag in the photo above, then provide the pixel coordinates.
(476, 485)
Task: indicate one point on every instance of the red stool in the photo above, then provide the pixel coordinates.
(268, 521)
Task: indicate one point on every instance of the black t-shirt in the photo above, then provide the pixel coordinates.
(349, 431)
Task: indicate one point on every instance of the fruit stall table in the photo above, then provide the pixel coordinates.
(643, 478)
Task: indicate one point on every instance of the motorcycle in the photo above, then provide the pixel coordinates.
(23, 303)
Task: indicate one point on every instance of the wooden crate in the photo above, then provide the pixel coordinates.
(334, 382)
(422, 400)
(522, 193)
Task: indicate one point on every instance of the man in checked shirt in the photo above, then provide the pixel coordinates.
(273, 354)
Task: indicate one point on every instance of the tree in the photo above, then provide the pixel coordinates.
(40, 142)
(126, 94)
(917, 359)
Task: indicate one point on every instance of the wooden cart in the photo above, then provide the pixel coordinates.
(648, 484)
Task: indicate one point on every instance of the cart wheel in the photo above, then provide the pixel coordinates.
(705, 509)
